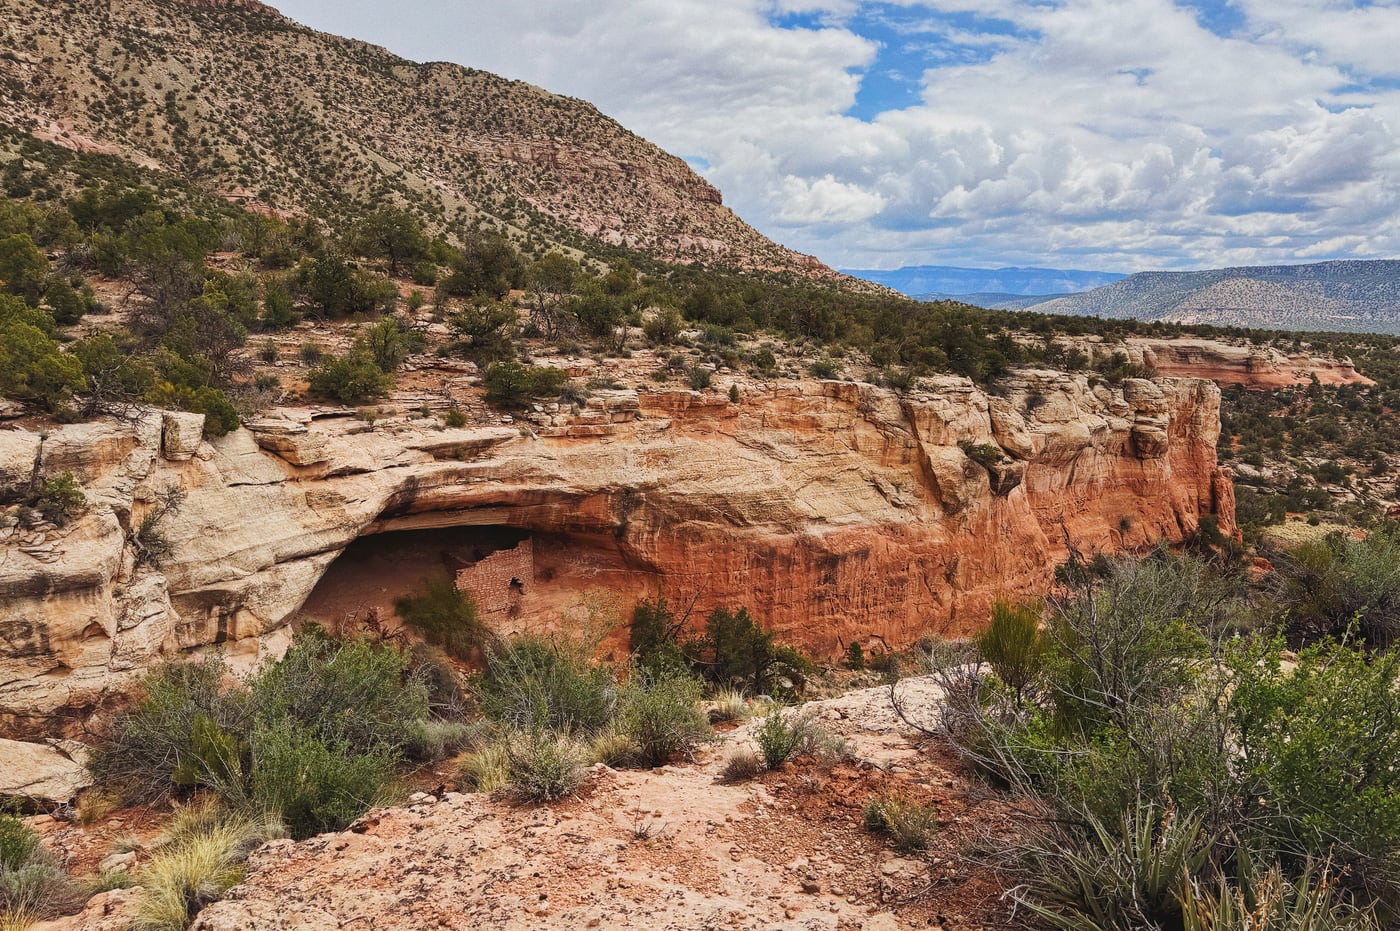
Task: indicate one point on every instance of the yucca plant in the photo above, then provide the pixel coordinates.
(1116, 877)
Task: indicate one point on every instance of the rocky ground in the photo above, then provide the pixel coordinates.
(667, 848)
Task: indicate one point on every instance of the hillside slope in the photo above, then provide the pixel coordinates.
(252, 106)
(1345, 296)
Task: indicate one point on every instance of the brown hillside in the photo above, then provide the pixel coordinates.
(264, 111)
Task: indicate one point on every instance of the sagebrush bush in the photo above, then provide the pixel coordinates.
(909, 825)
(437, 740)
(662, 716)
(533, 682)
(146, 746)
(313, 737)
(545, 767)
(350, 691)
(315, 784)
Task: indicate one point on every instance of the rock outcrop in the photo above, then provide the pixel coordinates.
(43, 775)
(1225, 363)
(835, 511)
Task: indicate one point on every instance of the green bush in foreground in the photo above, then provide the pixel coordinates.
(545, 767)
(314, 737)
(662, 717)
(781, 736)
(316, 785)
(31, 884)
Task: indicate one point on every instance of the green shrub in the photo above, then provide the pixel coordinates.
(316, 784)
(545, 767)
(58, 499)
(353, 692)
(389, 344)
(18, 844)
(652, 638)
(662, 716)
(149, 743)
(32, 368)
(447, 617)
(984, 454)
(510, 384)
(737, 652)
(662, 328)
(1320, 756)
(429, 741)
(351, 379)
(1012, 644)
(699, 378)
(909, 825)
(855, 656)
(1340, 585)
(781, 736)
(824, 369)
(533, 683)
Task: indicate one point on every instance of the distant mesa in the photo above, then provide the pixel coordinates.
(1344, 296)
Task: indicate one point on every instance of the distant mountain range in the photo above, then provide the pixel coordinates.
(936, 282)
(1349, 296)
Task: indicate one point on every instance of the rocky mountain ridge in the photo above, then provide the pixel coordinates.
(269, 114)
(1342, 296)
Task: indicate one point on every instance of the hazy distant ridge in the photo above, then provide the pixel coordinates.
(950, 280)
(1354, 296)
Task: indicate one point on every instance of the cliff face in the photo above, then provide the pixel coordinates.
(1223, 363)
(834, 511)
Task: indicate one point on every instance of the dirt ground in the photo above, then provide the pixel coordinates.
(675, 847)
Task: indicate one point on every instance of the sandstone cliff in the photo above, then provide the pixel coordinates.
(1242, 363)
(835, 511)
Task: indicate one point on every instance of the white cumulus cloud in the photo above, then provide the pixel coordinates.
(1113, 133)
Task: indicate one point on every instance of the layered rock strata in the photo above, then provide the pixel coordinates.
(835, 511)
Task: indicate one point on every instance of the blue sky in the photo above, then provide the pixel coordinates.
(1111, 134)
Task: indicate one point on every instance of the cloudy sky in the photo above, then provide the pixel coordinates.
(1100, 134)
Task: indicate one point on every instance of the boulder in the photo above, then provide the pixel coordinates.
(181, 434)
(43, 775)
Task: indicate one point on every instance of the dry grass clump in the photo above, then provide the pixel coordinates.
(741, 766)
(201, 857)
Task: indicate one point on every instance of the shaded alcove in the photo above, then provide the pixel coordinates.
(543, 576)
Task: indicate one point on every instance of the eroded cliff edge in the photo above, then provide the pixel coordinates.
(835, 511)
